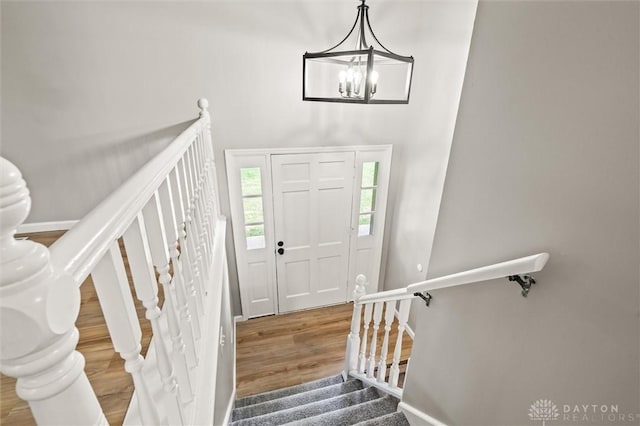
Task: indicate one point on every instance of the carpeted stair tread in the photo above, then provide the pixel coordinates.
(393, 419)
(302, 413)
(296, 400)
(353, 414)
(279, 393)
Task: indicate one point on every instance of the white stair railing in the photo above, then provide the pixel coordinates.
(168, 217)
(374, 368)
(366, 359)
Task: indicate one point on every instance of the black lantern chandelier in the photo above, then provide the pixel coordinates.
(359, 69)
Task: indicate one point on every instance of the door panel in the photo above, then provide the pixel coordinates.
(312, 196)
(370, 202)
(313, 199)
(248, 177)
(297, 277)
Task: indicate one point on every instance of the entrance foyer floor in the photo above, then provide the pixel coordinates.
(285, 350)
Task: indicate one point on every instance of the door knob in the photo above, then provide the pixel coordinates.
(280, 250)
(280, 243)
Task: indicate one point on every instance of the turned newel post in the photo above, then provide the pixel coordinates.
(38, 310)
(360, 288)
(353, 340)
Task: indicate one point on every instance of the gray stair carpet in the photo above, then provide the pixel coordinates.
(327, 402)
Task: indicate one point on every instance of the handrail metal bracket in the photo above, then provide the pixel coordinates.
(424, 296)
(525, 281)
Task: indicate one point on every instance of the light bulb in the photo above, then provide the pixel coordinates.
(373, 79)
(357, 77)
(349, 85)
(342, 78)
(350, 74)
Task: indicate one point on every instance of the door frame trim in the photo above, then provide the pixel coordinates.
(306, 150)
(232, 157)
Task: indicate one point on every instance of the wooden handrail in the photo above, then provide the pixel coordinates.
(523, 265)
(109, 219)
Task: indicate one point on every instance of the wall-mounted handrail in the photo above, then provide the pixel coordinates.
(520, 266)
(109, 219)
(362, 359)
(523, 265)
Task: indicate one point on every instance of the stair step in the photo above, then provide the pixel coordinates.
(296, 400)
(393, 419)
(279, 393)
(303, 413)
(353, 414)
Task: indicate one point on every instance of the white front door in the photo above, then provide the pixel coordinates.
(312, 196)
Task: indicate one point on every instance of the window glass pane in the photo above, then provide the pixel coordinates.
(369, 173)
(250, 181)
(255, 237)
(367, 200)
(365, 226)
(253, 210)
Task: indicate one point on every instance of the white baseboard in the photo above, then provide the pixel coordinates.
(410, 332)
(239, 318)
(407, 328)
(61, 225)
(227, 415)
(417, 417)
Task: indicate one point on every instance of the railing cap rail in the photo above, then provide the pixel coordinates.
(387, 296)
(109, 219)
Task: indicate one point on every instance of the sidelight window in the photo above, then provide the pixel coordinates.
(368, 189)
(252, 205)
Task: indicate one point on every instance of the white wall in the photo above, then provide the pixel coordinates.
(92, 89)
(545, 158)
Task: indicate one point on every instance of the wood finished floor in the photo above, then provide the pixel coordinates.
(286, 350)
(272, 352)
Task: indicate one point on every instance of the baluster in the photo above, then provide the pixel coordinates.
(210, 191)
(111, 284)
(171, 233)
(144, 281)
(185, 261)
(377, 317)
(197, 228)
(210, 180)
(203, 195)
(207, 166)
(39, 307)
(160, 257)
(389, 315)
(201, 220)
(353, 340)
(191, 247)
(203, 183)
(362, 362)
(204, 104)
(403, 316)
